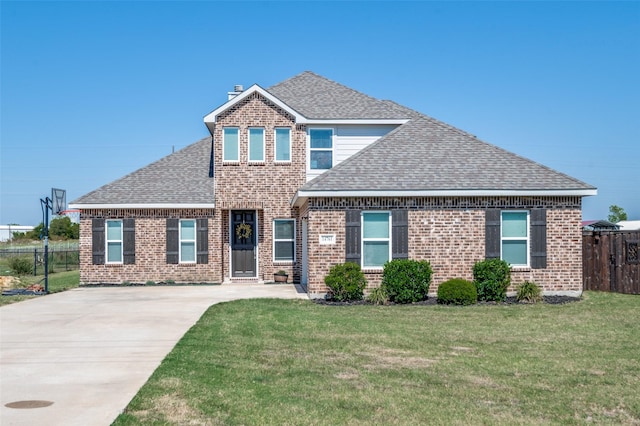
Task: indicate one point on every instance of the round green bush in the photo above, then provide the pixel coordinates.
(491, 278)
(21, 265)
(406, 280)
(346, 282)
(457, 292)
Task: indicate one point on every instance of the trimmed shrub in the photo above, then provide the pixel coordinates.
(378, 296)
(491, 278)
(457, 292)
(346, 282)
(529, 292)
(406, 280)
(21, 265)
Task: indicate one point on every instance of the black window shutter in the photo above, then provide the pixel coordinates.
(97, 237)
(538, 238)
(492, 233)
(400, 234)
(352, 236)
(129, 241)
(172, 241)
(202, 238)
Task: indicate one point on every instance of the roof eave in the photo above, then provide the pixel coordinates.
(85, 206)
(302, 195)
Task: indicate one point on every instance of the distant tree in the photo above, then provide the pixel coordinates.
(616, 214)
(62, 227)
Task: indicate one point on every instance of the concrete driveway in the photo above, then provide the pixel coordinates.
(79, 357)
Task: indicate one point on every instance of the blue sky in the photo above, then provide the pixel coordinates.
(91, 91)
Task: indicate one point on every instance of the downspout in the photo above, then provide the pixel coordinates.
(211, 175)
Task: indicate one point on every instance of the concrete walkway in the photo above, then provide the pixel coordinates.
(82, 355)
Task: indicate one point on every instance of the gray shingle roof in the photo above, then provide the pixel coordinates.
(427, 155)
(179, 178)
(317, 97)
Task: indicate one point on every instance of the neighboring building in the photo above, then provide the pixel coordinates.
(6, 231)
(599, 225)
(310, 173)
(629, 225)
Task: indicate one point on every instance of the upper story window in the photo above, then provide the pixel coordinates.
(376, 239)
(187, 236)
(321, 148)
(515, 238)
(230, 144)
(256, 144)
(283, 144)
(114, 241)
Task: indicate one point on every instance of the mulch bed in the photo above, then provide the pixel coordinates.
(549, 300)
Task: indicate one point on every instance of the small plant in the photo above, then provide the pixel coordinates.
(529, 292)
(21, 265)
(346, 282)
(170, 282)
(150, 282)
(457, 292)
(378, 296)
(281, 272)
(492, 278)
(406, 281)
(126, 283)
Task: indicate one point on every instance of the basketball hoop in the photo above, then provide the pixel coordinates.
(59, 200)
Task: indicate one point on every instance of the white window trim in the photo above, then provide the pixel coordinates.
(363, 239)
(275, 145)
(527, 239)
(107, 241)
(293, 240)
(194, 241)
(249, 145)
(333, 133)
(224, 160)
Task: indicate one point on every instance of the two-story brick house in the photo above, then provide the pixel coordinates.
(310, 173)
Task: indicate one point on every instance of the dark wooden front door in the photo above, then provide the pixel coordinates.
(243, 243)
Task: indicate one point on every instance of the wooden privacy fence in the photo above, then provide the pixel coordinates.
(610, 261)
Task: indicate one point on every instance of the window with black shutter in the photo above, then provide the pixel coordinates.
(172, 241)
(97, 241)
(492, 234)
(539, 238)
(129, 241)
(202, 230)
(400, 234)
(352, 236)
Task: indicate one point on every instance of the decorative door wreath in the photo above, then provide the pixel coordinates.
(243, 231)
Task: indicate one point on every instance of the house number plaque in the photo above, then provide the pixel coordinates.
(327, 239)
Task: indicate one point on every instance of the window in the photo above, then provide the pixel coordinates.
(284, 232)
(114, 241)
(283, 144)
(321, 148)
(187, 241)
(256, 144)
(515, 238)
(376, 242)
(230, 145)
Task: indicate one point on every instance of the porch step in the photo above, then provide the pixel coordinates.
(243, 281)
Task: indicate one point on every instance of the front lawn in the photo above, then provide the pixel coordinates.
(283, 362)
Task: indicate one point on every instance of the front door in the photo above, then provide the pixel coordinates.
(243, 243)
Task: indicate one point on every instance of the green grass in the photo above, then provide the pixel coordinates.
(293, 362)
(59, 281)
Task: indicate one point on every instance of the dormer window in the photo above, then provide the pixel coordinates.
(321, 149)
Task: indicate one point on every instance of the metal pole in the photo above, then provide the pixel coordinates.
(46, 247)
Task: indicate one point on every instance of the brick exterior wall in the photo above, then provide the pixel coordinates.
(266, 187)
(151, 261)
(451, 236)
